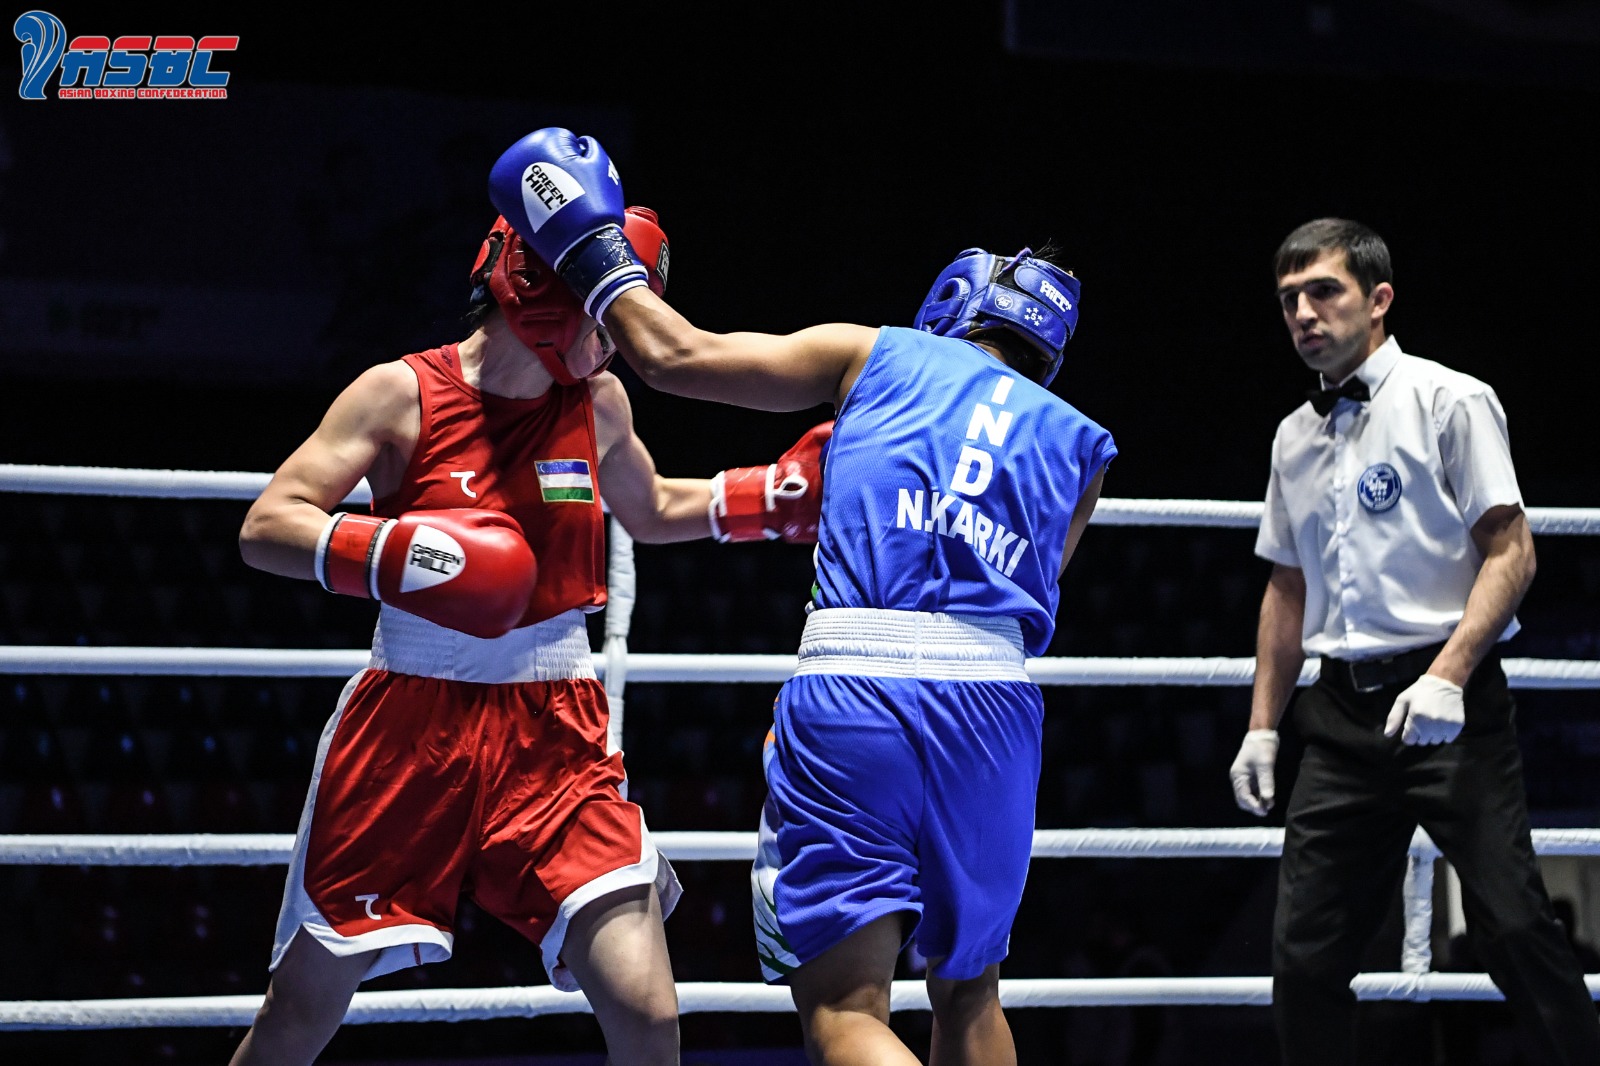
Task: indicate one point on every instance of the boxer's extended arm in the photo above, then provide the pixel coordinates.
(372, 425)
(562, 194)
(776, 501)
(763, 371)
(652, 508)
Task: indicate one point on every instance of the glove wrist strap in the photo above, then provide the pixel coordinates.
(600, 267)
(348, 551)
(740, 504)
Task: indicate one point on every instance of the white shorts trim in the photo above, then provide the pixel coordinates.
(556, 649)
(777, 959)
(398, 946)
(651, 869)
(867, 642)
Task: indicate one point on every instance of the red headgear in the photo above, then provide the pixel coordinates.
(540, 309)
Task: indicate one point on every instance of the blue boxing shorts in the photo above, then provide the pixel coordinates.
(901, 771)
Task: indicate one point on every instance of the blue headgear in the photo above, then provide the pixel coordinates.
(1036, 300)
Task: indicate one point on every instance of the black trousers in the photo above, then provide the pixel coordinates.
(1358, 798)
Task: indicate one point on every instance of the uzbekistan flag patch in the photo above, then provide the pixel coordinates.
(565, 480)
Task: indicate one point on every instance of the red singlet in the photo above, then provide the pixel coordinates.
(535, 460)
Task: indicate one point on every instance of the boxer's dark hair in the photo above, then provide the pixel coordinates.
(479, 310)
(1365, 254)
(1019, 354)
(481, 303)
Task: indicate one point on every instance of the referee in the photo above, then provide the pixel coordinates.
(1400, 553)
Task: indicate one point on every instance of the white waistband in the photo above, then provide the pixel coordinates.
(556, 649)
(868, 642)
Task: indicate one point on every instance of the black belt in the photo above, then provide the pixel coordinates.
(1370, 675)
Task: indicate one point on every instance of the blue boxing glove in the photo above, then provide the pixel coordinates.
(561, 194)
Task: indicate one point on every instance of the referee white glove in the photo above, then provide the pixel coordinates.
(1431, 711)
(1252, 771)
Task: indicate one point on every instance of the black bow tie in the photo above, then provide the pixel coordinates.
(1323, 400)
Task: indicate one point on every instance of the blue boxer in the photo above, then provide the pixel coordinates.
(904, 758)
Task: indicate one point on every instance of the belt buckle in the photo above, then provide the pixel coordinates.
(1355, 678)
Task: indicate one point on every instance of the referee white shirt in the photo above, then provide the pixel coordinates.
(1375, 503)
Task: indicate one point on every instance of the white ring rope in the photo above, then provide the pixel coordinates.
(651, 666)
(269, 849)
(156, 484)
(616, 665)
(697, 997)
(231, 485)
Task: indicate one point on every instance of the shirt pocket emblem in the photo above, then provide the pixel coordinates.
(1379, 487)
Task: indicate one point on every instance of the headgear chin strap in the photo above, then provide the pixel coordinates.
(1034, 299)
(542, 312)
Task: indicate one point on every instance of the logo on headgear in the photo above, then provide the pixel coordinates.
(1379, 487)
(1055, 296)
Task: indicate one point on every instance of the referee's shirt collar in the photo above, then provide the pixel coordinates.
(1374, 368)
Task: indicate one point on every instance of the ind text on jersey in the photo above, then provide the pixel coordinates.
(939, 513)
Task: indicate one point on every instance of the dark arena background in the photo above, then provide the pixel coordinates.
(187, 284)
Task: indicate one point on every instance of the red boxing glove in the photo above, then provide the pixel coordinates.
(463, 569)
(779, 501)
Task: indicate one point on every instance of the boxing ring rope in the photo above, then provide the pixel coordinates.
(695, 997)
(231, 485)
(272, 849)
(1416, 982)
(1192, 671)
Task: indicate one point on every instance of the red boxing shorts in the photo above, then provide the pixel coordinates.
(454, 764)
